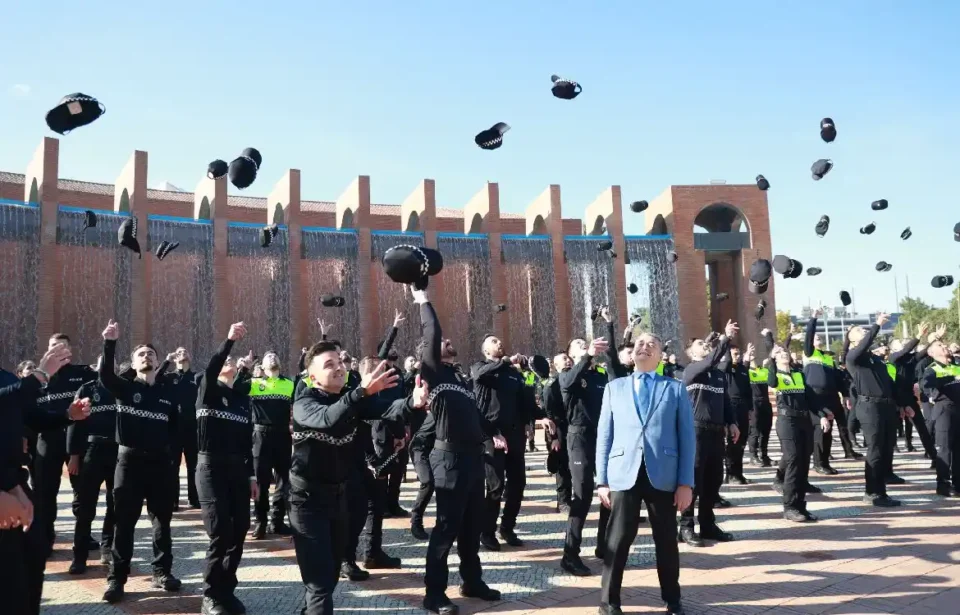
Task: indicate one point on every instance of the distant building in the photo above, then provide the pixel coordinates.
(833, 323)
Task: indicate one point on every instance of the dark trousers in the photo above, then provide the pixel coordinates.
(395, 479)
(187, 449)
(272, 450)
(581, 447)
(223, 486)
(562, 461)
(708, 477)
(22, 562)
(879, 424)
(141, 476)
(622, 531)
(924, 432)
(366, 502)
(761, 423)
(319, 518)
(421, 463)
(796, 435)
(48, 464)
(97, 467)
(947, 436)
(458, 478)
(505, 474)
(734, 453)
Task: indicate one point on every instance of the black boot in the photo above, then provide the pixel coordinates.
(259, 531)
(381, 561)
(417, 530)
(166, 581)
(575, 566)
(114, 593)
(510, 537)
(489, 542)
(209, 606)
(482, 591)
(79, 564)
(690, 537)
(439, 603)
(280, 528)
(350, 570)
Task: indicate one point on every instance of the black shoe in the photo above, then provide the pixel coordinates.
(810, 516)
(740, 480)
(813, 489)
(483, 592)
(893, 479)
(350, 570)
(723, 502)
(824, 470)
(675, 609)
(856, 455)
(259, 531)
(114, 593)
(440, 604)
(381, 561)
(195, 505)
(690, 537)
(778, 487)
(106, 556)
(209, 606)
(715, 533)
(398, 511)
(767, 462)
(489, 542)
(532, 447)
(575, 566)
(910, 448)
(510, 537)
(792, 514)
(606, 609)
(280, 529)
(755, 460)
(885, 501)
(942, 490)
(416, 529)
(92, 545)
(78, 565)
(166, 581)
(234, 606)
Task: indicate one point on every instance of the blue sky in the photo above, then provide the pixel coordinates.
(674, 93)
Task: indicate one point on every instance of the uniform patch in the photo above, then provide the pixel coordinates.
(225, 402)
(96, 397)
(176, 380)
(136, 398)
(583, 382)
(263, 387)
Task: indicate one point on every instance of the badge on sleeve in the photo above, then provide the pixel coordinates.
(136, 398)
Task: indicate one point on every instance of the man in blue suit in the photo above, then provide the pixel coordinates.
(646, 447)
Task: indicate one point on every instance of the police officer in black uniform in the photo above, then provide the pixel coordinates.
(186, 383)
(741, 402)
(146, 431)
(761, 419)
(558, 462)
(423, 428)
(941, 383)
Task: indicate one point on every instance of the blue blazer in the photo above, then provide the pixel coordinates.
(661, 435)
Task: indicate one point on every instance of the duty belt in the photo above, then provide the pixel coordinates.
(705, 426)
(457, 447)
(143, 453)
(580, 429)
(104, 439)
(259, 427)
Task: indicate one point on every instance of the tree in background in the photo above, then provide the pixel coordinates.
(914, 311)
(783, 326)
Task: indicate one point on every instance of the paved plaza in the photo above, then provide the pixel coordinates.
(857, 560)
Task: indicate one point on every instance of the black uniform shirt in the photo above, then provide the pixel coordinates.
(502, 395)
(706, 386)
(223, 412)
(102, 422)
(868, 371)
(582, 388)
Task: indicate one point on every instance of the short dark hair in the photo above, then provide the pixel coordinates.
(318, 349)
(23, 365)
(60, 337)
(139, 346)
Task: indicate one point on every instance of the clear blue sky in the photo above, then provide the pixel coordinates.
(674, 93)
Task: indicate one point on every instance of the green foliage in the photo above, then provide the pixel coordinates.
(836, 345)
(783, 327)
(914, 311)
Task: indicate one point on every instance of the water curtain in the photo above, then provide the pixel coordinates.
(95, 282)
(331, 265)
(590, 275)
(183, 312)
(531, 295)
(391, 296)
(657, 299)
(20, 254)
(467, 293)
(260, 288)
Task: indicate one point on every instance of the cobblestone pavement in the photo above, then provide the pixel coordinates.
(857, 560)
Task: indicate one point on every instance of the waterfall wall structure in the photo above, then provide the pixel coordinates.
(544, 268)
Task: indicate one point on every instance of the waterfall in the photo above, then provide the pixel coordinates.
(468, 295)
(590, 276)
(392, 296)
(531, 295)
(657, 297)
(20, 255)
(182, 307)
(260, 283)
(331, 265)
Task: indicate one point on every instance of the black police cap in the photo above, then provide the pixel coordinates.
(941, 281)
(604, 245)
(828, 130)
(330, 300)
(253, 154)
(762, 183)
(761, 270)
(639, 206)
(406, 264)
(722, 296)
(540, 365)
(906, 234)
(566, 89)
(781, 264)
(89, 220)
(814, 271)
(823, 225)
(879, 205)
(127, 235)
(758, 288)
(166, 247)
(760, 309)
(74, 111)
(217, 169)
(956, 231)
(500, 307)
(820, 168)
(883, 266)
(845, 298)
(492, 138)
(868, 229)
(672, 257)
(633, 288)
(243, 172)
(267, 234)
(796, 269)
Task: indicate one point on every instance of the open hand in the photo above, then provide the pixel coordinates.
(883, 318)
(549, 425)
(420, 393)
(397, 319)
(597, 346)
(734, 433)
(605, 313)
(500, 443)
(379, 379)
(54, 359)
(825, 424)
(237, 331)
(73, 465)
(730, 329)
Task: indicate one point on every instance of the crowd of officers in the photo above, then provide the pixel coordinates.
(335, 441)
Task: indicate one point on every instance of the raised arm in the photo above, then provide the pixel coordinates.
(808, 336)
(861, 351)
(314, 414)
(615, 369)
(432, 337)
(697, 368)
(384, 350)
(212, 372)
(119, 387)
(484, 372)
(904, 353)
(573, 375)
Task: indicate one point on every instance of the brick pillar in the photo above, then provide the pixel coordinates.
(608, 207)
(423, 202)
(283, 207)
(40, 186)
(130, 195)
(486, 204)
(210, 203)
(353, 211)
(544, 216)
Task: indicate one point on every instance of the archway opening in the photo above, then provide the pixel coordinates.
(125, 201)
(598, 227)
(413, 223)
(204, 212)
(476, 224)
(539, 226)
(347, 221)
(278, 214)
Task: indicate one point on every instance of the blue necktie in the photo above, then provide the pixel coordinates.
(644, 395)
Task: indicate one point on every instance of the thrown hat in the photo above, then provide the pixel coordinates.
(595, 312)
(672, 257)
(796, 269)
(253, 154)
(217, 169)
(883, 266)
(760, 270)
(823, 225)
(127, 235)
(762, 183)
(820, 168)
(868, 229)
(492, 138)
(74, 111)
(329, 300)
(604, 245)
(89, 220)
(906, 234)
(828, 130)
(243, 170)
(781, 264)
(540, 365)
(940, 281)
(845, 298)
(565, 88)
(500, 307)
(758, 288)
(879, 205)
(633, 288)
(761, 307)
(722, 296)
(639, 206)
(165, 248)
(407, 264)
(956, 231)
(267, 234)
(814, 271)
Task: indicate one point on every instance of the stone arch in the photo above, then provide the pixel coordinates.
(125, 201)
(721, 217)
(278, 214)
(539, 226)
(347, 221)
(599, 226)
(659, 226)
(476, 224)
(413, 223)
(204, 213)
(34, 192)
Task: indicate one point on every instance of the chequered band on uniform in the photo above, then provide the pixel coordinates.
(271, 397)
(144, 414)
(96, 409)
(300, 436)
(222, 414)
(56, 396)
(449, 387)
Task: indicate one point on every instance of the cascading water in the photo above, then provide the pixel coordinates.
(95, 282)
(531, 295)
(181, 289)
(392, 296)
(467, 293)
(331, 265)
(260, 286)
(20, 255)
(592, 285)
(657, 298)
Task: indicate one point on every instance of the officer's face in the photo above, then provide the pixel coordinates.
(817, 341)
(58, 341)
(328, 372)
(939, 352)
(735, 354)
(144, 360)
(697, 350)
(493, 347)
(577, 349)
(408, 364)
(229, 369)
(626, 356)
(447, 351)
(270, 361)
(182, 357)
(28, 368)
